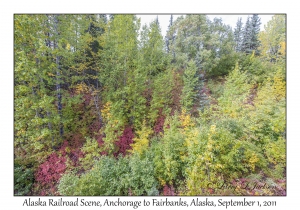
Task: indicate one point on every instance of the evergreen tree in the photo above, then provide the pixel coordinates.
(250, 35)
(189, 92)
(103, 17)
(119, 61)
(247, 32)
(169, 38)
(111, 17)
(152, 63)
(255, 43)
(154, 53)
(238, 35)
(96, 28)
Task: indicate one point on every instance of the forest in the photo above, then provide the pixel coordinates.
(104, 106)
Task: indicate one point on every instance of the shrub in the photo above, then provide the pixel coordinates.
(267, 122)
(168, 151)
(110, 176)
(105, 178)
(49, 172)
(91, 153)
(275, 153)
(141, 141)
(235, 94)
(67, 184)
(141, 177)
(23, 180)
(159, 124)
(168, 190)
(216, 87)
(124, 142)
(71, 151)
(219, 156)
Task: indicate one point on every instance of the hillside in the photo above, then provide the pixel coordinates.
(104, 108)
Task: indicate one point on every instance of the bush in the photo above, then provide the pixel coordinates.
(141, 141)
(216, 88)
(167, 153)
(103, 179)
(225, 65)
(91, 153)
(217, 156)
(275, 153)
(68, 184)
(49, 172)
(232, 103)
(124, 142)
(141, 177)
(110, 176)
(23, 180)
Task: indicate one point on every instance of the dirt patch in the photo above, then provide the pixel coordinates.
(252, 95)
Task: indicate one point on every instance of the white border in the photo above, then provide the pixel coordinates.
(8, 8)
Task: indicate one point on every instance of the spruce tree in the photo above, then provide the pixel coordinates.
(250, 35)
(247, 32)
(238, 35)
(119, 61)
(95, 30)
(169, 38)
(154, 66)
(189, 91)
(255, 28)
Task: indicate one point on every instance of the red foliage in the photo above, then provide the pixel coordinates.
(211, 190)
(49, 172)
(124, 141)
(159, 124)
(100, 143)
(100, 140)
(168, 190)
(43, 193)
(95, 127)
(87, 97)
